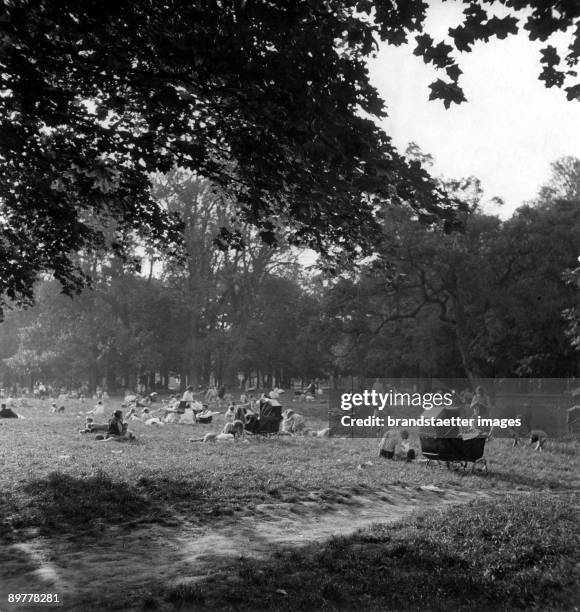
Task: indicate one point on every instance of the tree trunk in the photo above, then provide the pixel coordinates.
(461, 336)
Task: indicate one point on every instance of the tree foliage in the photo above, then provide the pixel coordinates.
(271, 101)
(499, 299)
(572, 314)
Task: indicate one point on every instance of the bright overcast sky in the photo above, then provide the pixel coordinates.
(507, 133)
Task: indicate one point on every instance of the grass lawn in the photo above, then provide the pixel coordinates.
(58, 484)
(520, 553)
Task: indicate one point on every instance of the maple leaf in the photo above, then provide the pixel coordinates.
(552, 77)
(573, 92)
(440, 55)
(448, 92)
(453, 72)
(502, 27)
(424, 44)
(550, 56)
(461, 38)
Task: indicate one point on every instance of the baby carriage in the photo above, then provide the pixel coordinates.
(455, 452)
(447, 445)
(268, 420)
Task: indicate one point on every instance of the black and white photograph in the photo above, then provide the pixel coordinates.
(290, 305)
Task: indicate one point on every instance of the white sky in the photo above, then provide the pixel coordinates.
(507, 133)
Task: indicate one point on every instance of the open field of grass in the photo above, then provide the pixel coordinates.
(62, 487)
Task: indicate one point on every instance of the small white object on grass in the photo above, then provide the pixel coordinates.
(222, 437)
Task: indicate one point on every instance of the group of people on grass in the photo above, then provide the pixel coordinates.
(240, 417)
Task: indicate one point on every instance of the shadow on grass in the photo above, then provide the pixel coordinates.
(64, 503)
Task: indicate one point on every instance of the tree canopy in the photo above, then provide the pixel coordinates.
(271, 101)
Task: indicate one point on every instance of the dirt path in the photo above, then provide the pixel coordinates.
(148, 559)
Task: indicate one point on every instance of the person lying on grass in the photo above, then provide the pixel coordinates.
(92, 427)
(396, 445)
(229, 434)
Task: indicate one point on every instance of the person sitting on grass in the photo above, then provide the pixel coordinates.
(239, 413)
(293, 423)
(235, 413)
(98, 410)
(236, 429)
(388, 444)
(407, 452)
(229, 413)
(538, 437)
(116, 425)
(7, 413)
(117, 430)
